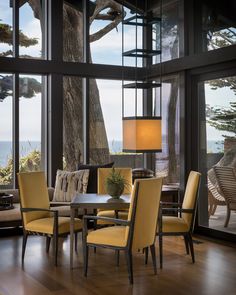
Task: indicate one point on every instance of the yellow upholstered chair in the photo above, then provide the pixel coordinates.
(183, 224)
(37, 216)
(137, 232)
(103, 173)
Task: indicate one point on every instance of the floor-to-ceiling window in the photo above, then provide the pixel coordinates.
(6, 126)
(168, 161)
(217, 98)
(23, 95)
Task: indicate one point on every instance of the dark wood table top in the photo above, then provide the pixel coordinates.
(96, 201)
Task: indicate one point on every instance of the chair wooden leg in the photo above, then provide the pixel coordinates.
(161, 250)
(146, 255)
(129, 265)
(25, 237)
(117, 257)
(186, 241)
(85, 253)
(154, 262)
(55, 248)
(48, 240)
(227, 217)
(191, 246)
(213, 211)
(76, 242)
(210, 209)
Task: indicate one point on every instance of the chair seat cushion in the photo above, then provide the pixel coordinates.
(111, 213)
(45, 225)
(112, 236)
(174, 224)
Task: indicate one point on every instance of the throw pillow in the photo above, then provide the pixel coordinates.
(93, 175)
(68, 184)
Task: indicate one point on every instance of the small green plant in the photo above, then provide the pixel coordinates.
(115, 183)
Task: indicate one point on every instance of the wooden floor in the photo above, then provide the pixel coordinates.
(213, 273)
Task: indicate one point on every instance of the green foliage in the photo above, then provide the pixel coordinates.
(223, 119)
(31, 162)
(28, 87)
(116, 178)
(6, 36)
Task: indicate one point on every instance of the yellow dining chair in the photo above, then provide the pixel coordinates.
(137, 232)
(181, 225)
(103, 173)
(37, 216)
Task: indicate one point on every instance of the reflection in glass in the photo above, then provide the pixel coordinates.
(31, 24)
(167, 162)
(30, 120)
(6, 36)
(172, 36)
(218, 146)
(218, 24)
(6, 144)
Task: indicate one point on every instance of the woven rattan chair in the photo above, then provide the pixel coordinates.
(214, 198)
(226, 178)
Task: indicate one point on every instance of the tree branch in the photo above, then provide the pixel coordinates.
(114, 14)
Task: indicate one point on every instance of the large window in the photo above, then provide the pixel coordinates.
(31, 123)
(167, 162)
(6, 129)
(172, 29)
(106, 32)
(106, 125)
(32, 29)
(6, 37)
(217, 146)
(218, 24)
(31, 126)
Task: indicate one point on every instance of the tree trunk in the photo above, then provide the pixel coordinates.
(172, 164)
(73, 101)
(73, 96)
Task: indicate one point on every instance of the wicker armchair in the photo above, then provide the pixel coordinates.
(214, 198)
(226, 178)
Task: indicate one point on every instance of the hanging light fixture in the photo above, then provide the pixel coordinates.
(141, 134)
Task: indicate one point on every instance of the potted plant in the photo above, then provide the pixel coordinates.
(115, 184)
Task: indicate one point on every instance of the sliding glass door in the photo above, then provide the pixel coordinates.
(217, 146)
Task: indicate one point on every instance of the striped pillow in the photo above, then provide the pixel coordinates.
(68, 184)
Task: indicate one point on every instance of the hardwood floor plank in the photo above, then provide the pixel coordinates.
(213, 272)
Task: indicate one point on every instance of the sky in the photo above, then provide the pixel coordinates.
(106, 50)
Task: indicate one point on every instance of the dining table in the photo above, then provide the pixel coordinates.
(96, 201)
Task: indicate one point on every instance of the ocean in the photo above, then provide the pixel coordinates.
(25, 148)
(115, 146)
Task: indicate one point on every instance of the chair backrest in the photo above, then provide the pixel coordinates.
(33, 194)
(190, 197)
(143, 212)
(226, 179)
(103, 173)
